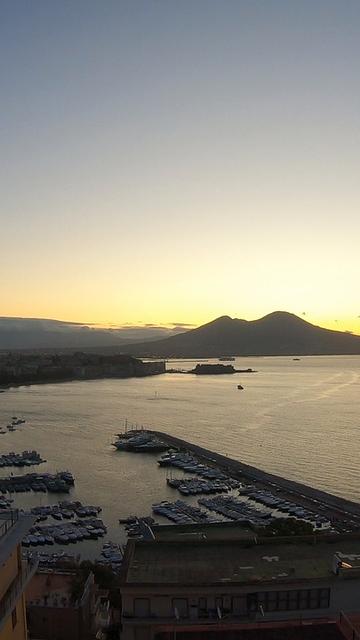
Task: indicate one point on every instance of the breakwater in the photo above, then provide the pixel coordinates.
(239, 470)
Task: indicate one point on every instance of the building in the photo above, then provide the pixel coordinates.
(53, 611)
(215, 589)
(15, 573)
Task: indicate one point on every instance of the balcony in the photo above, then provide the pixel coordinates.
(16, 588)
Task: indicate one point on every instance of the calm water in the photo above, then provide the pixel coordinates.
(298, 419)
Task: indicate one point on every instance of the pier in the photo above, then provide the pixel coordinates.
(337, 508)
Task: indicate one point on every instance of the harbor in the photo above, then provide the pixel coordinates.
(74, 426)
(336, 507)
(216, 492)
(254, 497)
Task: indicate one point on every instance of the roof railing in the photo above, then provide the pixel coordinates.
(7, 520)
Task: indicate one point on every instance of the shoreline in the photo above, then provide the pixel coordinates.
(16, 385)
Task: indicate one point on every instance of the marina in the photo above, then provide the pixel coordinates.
(255, 505)
(63, 424)
(302, 496)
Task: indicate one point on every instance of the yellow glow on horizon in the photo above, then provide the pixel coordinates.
(163, 316)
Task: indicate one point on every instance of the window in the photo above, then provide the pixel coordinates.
(304, 599)
(287, 600)
(252, 602)
(180, 607)
(203, 613)
(239, 605)
(142, 608)
(324, 598)
(293, 600)
(14, 618)
(283, 600)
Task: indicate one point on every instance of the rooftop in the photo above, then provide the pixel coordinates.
(210, 562)
(50, 589)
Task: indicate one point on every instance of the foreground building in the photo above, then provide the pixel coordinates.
(54, 613)
(215, 589)
(15, 573)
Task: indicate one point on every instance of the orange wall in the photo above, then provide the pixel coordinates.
(19, 631)
(8, 572)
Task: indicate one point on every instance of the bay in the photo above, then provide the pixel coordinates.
(299, 419)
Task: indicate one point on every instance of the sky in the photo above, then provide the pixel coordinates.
(170, 162)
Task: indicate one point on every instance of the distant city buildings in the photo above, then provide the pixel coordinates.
(27, 368)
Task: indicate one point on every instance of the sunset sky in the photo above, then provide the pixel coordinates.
(170, 161)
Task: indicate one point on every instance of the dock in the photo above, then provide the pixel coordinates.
(336, 507)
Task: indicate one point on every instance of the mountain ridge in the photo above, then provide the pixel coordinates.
(277, 333)
(19, 333)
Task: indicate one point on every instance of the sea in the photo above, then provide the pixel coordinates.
(297, 418)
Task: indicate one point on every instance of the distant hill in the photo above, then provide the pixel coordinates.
(279, 333)
(36, 333)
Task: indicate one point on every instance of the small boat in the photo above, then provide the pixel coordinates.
(240, 387)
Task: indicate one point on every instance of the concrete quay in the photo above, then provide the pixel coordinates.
(337, 508)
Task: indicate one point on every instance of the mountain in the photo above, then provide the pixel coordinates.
(36, 333)
(279, 333)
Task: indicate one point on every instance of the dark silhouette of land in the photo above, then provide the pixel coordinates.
(38, 333)
(279, 333)
(18, 368)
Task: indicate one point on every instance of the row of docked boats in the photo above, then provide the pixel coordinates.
(111, 556)
(136, 527)
(195, 486)
(46, 482)
(180, 512)
(65, 510)
(290, 508)
(69, 532)
(5, 503)
(190, 464)
(139, 442)
(24, 459)
(234, 509)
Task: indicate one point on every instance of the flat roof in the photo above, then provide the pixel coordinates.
(210, 562)
(50, 589)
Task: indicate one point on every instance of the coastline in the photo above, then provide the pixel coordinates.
(30, 383)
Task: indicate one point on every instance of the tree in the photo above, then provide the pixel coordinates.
(287, 527)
